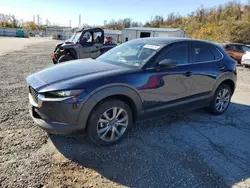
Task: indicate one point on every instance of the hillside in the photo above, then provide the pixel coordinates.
(228, 22)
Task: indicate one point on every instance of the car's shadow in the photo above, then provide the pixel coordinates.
(180, 150)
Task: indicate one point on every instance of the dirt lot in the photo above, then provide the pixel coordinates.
(14, 44)
(190, 149)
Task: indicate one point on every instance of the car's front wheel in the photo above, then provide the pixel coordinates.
(221, 100)
(109, 122)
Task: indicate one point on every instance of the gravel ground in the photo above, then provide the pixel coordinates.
(188, 149)
(13, 44)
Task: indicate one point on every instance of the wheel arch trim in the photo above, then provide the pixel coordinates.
(224, 77)
(104, 92)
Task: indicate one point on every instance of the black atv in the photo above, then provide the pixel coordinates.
(87, 43)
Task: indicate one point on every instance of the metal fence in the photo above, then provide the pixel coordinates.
(12, 32)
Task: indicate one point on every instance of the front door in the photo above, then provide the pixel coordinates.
(168, 85)
(91, 43)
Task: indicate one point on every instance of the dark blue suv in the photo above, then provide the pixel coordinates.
(136, 80)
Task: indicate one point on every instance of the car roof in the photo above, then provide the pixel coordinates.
(234, 44)
(168, 40)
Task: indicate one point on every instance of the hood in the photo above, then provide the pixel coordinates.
(72, 71)
(66, 43)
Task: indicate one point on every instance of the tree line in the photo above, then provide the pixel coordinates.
(10, 21)
(226, 22)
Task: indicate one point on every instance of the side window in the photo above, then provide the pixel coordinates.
(202, 54)
(217, 52)
(177, 53)
(237, 48)
(97, 37)
(87, 37)
(228, 47)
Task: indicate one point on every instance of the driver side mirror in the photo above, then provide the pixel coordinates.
(168, 63)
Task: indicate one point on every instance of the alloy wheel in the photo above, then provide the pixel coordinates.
(222, 100)
(112, 124)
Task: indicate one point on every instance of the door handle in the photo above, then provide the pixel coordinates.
(221, 68)
(188, 74)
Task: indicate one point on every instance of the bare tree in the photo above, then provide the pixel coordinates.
(13, 21)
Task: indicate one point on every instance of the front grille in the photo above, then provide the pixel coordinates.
(34, 94)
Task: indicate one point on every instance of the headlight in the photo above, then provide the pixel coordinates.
(66, 93)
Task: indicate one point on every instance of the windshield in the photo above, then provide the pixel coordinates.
(75, 37)
(133, 53)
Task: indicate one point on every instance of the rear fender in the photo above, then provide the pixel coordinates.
(223, 77)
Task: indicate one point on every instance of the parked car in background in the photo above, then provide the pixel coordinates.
(236, 50)
(246, 59)
(136, 80)
(31, 34)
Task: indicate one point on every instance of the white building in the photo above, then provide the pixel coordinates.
(123, 35)
(142, 32)
(114, 34)
(55, 30)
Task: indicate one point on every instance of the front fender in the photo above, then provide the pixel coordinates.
(58, 46)
(96, 96)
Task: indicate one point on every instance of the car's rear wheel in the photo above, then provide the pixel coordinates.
(246, 66)
(221, 100)
(109, 122)
(66, 57)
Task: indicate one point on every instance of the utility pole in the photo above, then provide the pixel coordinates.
(47, 22)
(38, 21)
(80, 22)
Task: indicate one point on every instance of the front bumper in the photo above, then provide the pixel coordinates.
(53, 127)
(54, 58)
(246, 62)
(56, 117)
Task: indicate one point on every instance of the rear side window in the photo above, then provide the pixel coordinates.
(217, 52)
(202, 54)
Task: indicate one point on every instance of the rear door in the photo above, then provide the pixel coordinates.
(205, 67)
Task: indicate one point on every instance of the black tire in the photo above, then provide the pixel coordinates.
(212, 108)
(64, 58)
(97, 113)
